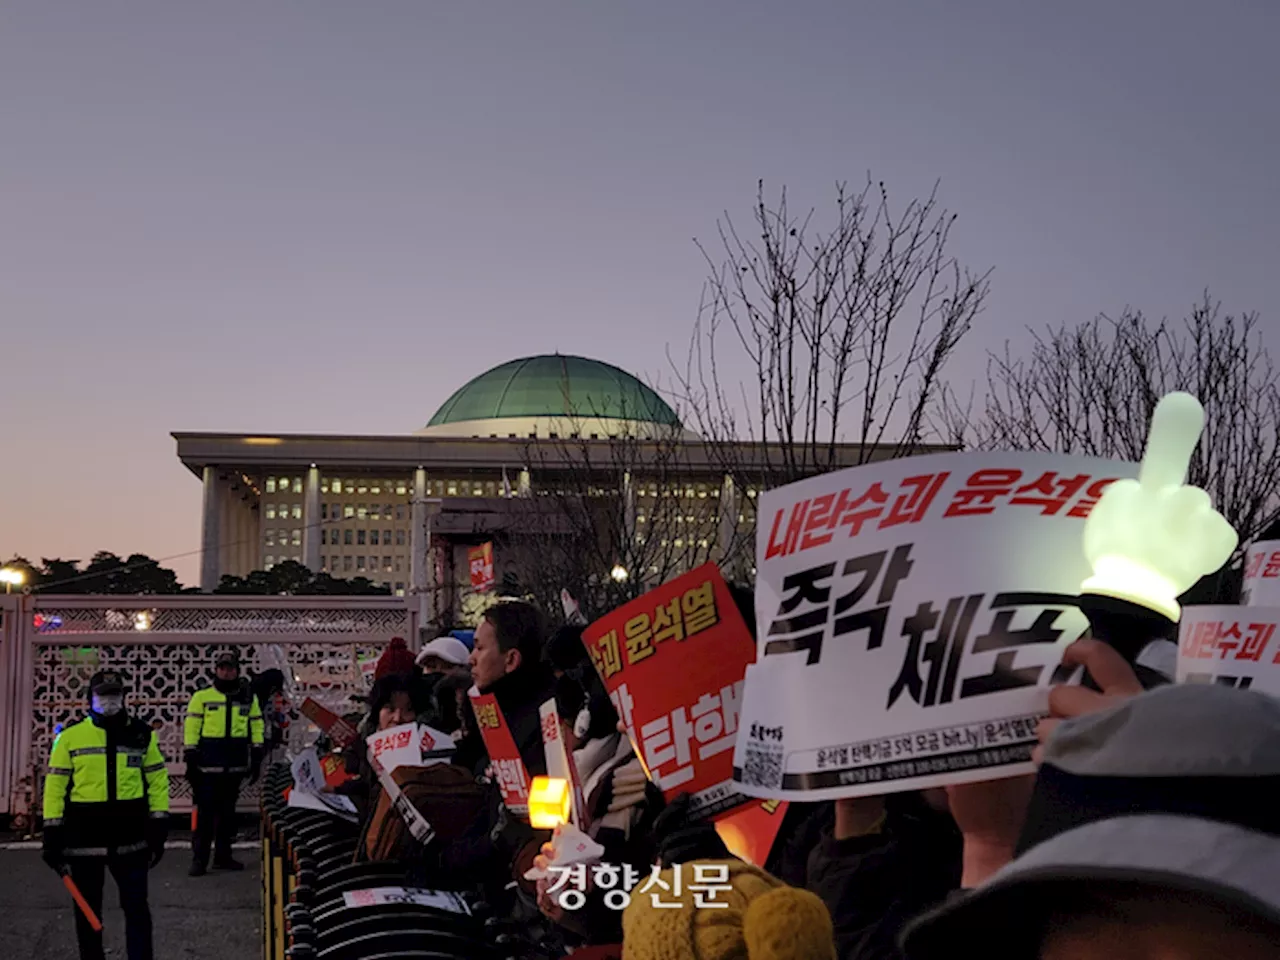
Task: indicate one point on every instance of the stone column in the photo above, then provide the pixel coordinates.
(211, 532)
(311, 528)
(728, 521)
(419, 546)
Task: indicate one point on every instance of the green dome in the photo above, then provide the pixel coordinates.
(555, 386)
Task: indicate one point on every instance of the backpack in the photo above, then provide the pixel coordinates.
(446, 795)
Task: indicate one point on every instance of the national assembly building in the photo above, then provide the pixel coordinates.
(509, 455)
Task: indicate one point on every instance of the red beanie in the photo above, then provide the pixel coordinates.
(395, 659)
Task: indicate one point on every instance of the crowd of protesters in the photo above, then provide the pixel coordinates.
(1151, 830)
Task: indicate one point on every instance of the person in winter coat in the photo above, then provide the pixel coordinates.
(878, 863)
(507, 663)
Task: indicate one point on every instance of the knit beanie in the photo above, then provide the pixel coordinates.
(395, 659)
(764, 919)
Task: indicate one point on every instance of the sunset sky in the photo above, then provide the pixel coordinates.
(324, 216)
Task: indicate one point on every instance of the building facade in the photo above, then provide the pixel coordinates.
(403, 510)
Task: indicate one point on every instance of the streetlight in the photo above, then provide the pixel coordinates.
(12, 577)
(619, 573)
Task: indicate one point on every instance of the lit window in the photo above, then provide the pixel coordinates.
(359, 563)
(346, 564)
(452, 489)
(271, 511)
(386, 538)
(360, 537)
(362, 488)
(346, 537)
(348, 511)
(375, 511)
(271, 561)
(324, 485)
(271, 484)
(362, 511)
(401, 489)
(297, 559)
(376, 487)
(297, 538)
(386, 564)
(271, 538)
(297, 511)
(399, 538)
(297, 484)
(337, 486)
(491, 488)
(399, 589)
(373, 538)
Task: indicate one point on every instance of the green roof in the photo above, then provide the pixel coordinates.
(555, 386)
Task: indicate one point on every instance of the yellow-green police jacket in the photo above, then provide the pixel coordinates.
(105, 780)
(221, 728)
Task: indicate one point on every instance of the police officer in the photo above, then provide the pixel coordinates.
(106, 807)
(223, 741)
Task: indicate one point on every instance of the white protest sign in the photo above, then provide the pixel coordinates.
(409, 745)
(1232, 646)
(379, 896)
(307, 773)
(911, 616)
(560, 761)
(1262, 575)
(335, 804)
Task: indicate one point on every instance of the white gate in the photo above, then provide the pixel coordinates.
(50, 646)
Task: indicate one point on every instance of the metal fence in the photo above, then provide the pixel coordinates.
(50, 646)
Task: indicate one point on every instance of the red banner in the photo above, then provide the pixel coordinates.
(681, 717)
(480, 560)
(339, 731)
(504, 758)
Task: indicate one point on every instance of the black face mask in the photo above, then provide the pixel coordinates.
(226, 686)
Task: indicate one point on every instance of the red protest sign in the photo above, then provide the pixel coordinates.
(334, 769)
(681, 716)
(339, 731)
(480, 559)
(504, 758)
(750, 831)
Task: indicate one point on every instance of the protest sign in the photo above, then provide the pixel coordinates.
(380, 896)
(560, 760)
(911, 615)
(1232, 646)
(409, 745)
(504, 758)
(750, 831)
(306, 771)
(335, 804)
(334, 769)
(338, 730)
(1261, 586)
(480, 560)
(681, 716)
(309, 779)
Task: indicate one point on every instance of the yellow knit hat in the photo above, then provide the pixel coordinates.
(764, 920)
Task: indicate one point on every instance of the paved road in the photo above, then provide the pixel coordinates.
(211, 918)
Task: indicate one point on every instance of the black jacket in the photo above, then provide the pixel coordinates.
(874, 885)
(520, 697)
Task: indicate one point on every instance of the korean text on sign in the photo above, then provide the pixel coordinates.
(505, 763)
(1231, 646)
(673, 661)
(922, 604)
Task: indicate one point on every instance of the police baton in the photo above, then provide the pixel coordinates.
(78, 897)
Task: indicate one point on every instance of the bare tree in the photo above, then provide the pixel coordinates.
(1091, 389)
(845, 330)
(610, 517)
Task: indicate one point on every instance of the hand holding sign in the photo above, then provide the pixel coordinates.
(1149, 540)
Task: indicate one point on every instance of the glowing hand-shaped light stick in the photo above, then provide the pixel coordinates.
(1149, 540)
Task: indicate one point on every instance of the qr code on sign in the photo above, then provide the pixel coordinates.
(763, 766)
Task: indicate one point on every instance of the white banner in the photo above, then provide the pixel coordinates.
(1233, 646)
(911, 615)
(409, 745)
(1262, 575)
(378, 896)
(308, 787)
